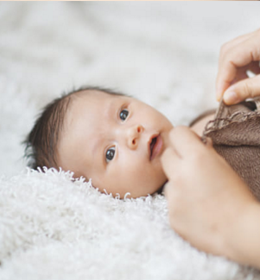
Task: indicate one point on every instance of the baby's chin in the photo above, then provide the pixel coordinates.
(160, 189)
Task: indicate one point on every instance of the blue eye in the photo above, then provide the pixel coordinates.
(110, 154)
(123, 114)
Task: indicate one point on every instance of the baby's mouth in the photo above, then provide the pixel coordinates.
(152, 146)
(155, 146)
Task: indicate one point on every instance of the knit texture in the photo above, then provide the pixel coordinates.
(235, 134)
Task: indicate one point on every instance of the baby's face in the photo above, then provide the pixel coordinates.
(116, 141)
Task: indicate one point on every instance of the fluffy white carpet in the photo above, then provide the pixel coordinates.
(163, 53)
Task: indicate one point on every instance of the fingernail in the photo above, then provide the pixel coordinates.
(231, 97)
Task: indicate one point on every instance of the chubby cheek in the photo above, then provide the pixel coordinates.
(138, 179)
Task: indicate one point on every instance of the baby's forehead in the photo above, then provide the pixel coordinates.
(90, 98)
(91, 101)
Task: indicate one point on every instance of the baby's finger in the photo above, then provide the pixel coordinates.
(185, 141)
(241, 55)
(241, 90)
(170, 161)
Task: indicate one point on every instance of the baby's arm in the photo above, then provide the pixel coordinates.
(209, 205)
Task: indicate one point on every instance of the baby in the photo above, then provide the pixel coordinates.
(114, 139)
(111, 138)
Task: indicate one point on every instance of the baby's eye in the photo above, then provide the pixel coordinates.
(110, 154)
(123, 114)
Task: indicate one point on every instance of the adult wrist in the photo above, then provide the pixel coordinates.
(242, 243)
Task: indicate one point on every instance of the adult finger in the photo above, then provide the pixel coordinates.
(185, 141)
(170, 160)
(242, 72)
(254, 67)
(241, 90)
(220, 87)
(229, 45)
(240, 55)
(228, 48)
(167, 190)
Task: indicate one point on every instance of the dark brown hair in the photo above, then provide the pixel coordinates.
(41, 142)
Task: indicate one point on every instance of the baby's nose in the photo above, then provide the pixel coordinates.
(133, 136)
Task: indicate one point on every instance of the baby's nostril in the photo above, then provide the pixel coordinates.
(133, 141)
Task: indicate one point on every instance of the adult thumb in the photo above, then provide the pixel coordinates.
(242, 90)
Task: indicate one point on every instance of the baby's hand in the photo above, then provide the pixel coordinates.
(205, 196)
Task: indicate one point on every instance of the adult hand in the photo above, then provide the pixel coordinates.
(236, 58)
(208, 202)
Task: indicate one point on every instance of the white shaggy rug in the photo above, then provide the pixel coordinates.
(163, 53)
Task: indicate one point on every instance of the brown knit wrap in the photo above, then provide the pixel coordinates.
(235, 132)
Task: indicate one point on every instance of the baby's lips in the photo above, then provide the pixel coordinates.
(149, 152)
(149, 144)
(157, 148)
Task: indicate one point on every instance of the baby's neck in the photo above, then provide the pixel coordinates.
(199, 126)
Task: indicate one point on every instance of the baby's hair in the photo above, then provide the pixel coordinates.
(41, 142)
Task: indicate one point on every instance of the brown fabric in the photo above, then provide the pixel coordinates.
(235, 132)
